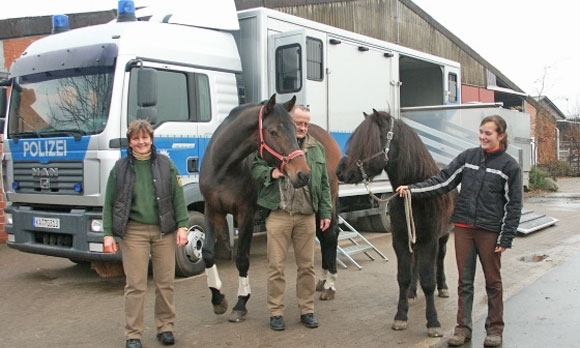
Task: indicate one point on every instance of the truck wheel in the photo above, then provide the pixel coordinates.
(188, 260)
(382, 221)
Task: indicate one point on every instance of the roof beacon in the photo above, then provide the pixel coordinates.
(60, 24)
(126, 11)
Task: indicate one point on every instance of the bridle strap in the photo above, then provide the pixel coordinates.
(263, 146)
(411, 230)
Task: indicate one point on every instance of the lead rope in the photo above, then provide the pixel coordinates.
(412, 232)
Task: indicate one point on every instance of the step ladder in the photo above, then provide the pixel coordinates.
(531, 221)
(356, 244)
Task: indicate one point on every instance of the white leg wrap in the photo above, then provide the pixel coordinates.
(244, 286)
(213, 278)
(324, 274)
(330, 281)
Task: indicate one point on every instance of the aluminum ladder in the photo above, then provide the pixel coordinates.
(356, 244)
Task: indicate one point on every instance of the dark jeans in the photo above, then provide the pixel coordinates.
(470, 244)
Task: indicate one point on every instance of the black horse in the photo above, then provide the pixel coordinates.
(228, 188)
(382, 143)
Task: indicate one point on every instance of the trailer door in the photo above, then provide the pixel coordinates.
(360, 78)
(287, 65)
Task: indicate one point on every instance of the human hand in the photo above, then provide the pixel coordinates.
(324, 224)
(110, 245)
(401, 190)
(277, 173)
(181, 237)
(499, 249)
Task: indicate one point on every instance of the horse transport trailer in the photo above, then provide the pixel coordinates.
(73, 93)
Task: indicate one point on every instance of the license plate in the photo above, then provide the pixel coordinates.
(46, 222)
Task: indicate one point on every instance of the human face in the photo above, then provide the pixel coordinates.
(488, 136)
(301, 119)
(140, 142)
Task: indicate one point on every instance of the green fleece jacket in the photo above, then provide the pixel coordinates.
(269, 195)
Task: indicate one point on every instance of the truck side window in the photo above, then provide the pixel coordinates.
(203, 102)
(288, 69)
(314, 66)
(181, 96)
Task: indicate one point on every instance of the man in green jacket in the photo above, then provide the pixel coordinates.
(292, 220)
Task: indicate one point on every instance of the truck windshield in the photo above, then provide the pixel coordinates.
(64, 103)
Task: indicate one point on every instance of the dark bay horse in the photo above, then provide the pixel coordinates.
(228, 188)
(382, 143)
(329, 238)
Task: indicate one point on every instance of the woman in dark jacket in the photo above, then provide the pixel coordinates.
(486, 217)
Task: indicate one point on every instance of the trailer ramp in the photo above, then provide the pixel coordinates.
(532, 221)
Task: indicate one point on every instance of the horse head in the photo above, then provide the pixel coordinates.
(367, 149)
(278, 144)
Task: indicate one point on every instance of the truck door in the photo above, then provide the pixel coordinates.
(287, 65)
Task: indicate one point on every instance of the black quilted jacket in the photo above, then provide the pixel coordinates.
(490, 195)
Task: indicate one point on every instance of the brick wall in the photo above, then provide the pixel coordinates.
(471, 93)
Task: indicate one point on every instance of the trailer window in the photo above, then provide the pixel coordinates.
(452, 81)
(314, 67)
(288, 69)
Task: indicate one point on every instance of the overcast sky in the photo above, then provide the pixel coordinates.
(528, 41)
(533, 43)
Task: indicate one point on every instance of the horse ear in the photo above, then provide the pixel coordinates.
(289, 105)
(379, 118)
(270, 104)
(365, 114)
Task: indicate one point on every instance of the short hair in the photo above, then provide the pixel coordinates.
(139, 125)
(300, 107)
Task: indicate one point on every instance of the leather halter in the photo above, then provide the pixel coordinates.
(384, 151)
(263, 146)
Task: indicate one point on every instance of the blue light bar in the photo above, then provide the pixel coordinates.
(126, 11)
(60, 24)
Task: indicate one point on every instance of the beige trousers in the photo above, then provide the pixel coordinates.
(140, 242)
(299, 231)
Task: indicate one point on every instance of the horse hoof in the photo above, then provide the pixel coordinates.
(221, 308)
(327, 294)
(237, 316)
(399, 325)
(320, 284)
(443, 293)
(434, 332)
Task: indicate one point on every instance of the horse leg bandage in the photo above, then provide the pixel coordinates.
(213, 278)
(244, 286)
(330, 281)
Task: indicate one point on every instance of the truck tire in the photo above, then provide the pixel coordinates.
(382, 221)
(188, 260)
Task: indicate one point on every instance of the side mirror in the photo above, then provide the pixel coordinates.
(147, 87)
(147, 94)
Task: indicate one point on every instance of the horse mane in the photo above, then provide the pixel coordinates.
(409, 158)
(414, 162)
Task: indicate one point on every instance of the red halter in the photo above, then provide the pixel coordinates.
(263, 146)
